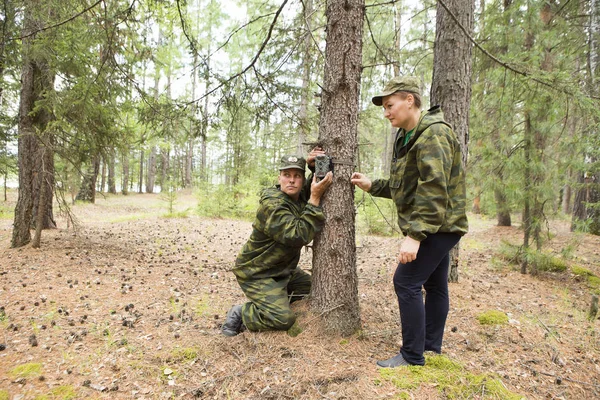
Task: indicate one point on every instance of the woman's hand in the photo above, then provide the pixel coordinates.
(408, 250)
(361, 181)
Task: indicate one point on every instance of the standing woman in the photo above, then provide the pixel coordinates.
(427, 185)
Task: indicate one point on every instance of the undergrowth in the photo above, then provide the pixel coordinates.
(451, 379)
(538, 260)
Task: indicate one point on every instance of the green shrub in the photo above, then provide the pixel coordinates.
(492, 317)
(539, 260)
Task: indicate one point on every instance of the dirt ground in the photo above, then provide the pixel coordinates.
(130, 306)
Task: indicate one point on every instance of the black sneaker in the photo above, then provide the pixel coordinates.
(233, 322)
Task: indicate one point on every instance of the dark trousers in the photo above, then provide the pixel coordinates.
(423, 324)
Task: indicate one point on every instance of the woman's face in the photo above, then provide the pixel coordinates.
(398, 110)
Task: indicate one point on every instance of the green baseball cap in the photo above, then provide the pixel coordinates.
(410, 84)
(292, 161)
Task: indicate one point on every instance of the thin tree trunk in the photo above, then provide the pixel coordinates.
(141, 181)
(527, 178)
(102, 175)
(111, 172)
(303, 120)
(335, 281)
(451, 82)
(125, 172)
(151, 170)
(87, 191)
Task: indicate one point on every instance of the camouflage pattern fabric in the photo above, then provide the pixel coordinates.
(266, 267)
(269, 305)
(427, 181)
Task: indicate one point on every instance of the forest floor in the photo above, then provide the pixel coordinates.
(130, 307)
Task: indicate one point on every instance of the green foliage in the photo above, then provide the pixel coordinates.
(220, 201)
(29, 370)
(376, 216)
(492, 317)
(451, 379)
(169, 195)
(540, 260)
(4, 395)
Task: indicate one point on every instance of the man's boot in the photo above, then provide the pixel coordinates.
(233, 322)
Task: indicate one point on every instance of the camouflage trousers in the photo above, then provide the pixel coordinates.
(269, 305)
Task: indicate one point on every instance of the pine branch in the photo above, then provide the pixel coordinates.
(502, 63)
(59, 24)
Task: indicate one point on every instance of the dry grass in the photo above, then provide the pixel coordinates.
(130, 308)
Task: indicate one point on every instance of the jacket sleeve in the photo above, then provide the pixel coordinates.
(286, 228)
(381, 188)
(434, 162)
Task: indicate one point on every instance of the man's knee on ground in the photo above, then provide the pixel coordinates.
(284, 321)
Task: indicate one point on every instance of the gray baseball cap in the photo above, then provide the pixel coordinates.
(410, 84)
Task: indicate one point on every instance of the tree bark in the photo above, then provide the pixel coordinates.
(141, 181)
(335, 281)
(151, 170)
(87, 191)
(111, 172)
(125, 173)
(37, 81)
(451, 81)
(304, 123)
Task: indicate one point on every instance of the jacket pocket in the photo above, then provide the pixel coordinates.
(397, 173)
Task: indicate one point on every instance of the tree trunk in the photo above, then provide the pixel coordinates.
(502, 208)
(335, 281)
(87, 191)
(111, 172)
(527, 178)
(125, 172)
(586, 207)
(102, 175)
(165, 176)
(45, 177)
(451, 81)
(37, 80)
(303, 120)
(151, 170)
(141, 181)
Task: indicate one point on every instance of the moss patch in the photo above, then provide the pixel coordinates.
(592, 280)
(4, 395)
(450, 378)
(29, 370)
(65, 392)
(492, 317)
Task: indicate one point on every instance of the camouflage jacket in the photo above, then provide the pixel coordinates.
(282, 227)
(427, 181)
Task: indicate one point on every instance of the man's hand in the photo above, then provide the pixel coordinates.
(318, 188)
(408, 250)
(310, 160)
(361, 181)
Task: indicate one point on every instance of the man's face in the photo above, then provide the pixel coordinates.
(291, 181)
